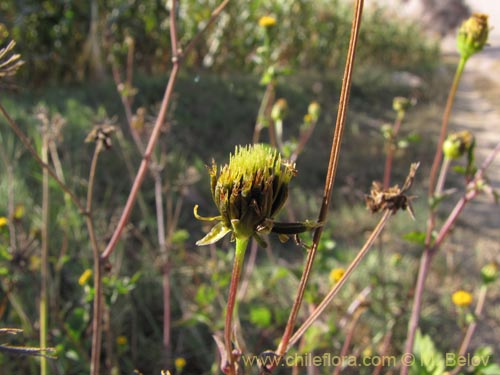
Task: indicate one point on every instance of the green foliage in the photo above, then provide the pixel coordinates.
(428, 361)
(71, 40)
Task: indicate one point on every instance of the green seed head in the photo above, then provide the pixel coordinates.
(457, 144)
(314, 110)
(472, 35)
(489, 273)
(249, 190)
(279, 110)
(401, 104)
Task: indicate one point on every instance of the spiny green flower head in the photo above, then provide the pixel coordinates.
(248, 192)
(473, 35)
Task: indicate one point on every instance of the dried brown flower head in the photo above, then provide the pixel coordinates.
(393, 198)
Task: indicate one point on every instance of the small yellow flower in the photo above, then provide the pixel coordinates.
(85, 276)
(336, 274)
(179, 363)
(3, 221)
(267, 21)
(19, 211)
(121, 340)
(461, 298)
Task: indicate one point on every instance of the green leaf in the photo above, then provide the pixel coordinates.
(217, 232)
(260, 316)
(180, 236)
(416, 237)
(493, 369)
(428, 361)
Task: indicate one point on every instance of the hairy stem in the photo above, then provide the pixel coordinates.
(330, 178)
(239, 256)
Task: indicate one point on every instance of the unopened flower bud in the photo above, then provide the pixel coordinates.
(401, 104)
(279, 110)
(489, 273)
(472, 35)
(457, 144)
(314, 110)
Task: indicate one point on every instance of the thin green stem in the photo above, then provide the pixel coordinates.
(44, 264)
(239, 256)
(444, 125)
(265, 103)
(330, 177)
(442, 177)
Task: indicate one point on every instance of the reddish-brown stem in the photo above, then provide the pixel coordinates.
(336, 288)
(141, 173)
(330, 178)
(348, 339)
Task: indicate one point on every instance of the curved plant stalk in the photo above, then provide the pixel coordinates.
(444, 125)
(330, 178)
(239, 256)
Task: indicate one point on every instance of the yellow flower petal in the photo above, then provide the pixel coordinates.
(461, 298)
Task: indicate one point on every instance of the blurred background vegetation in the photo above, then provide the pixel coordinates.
(68, 47)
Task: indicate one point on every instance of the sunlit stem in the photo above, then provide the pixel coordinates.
(239, 256)
(44, 257)
(442, 177)
(444, 125)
